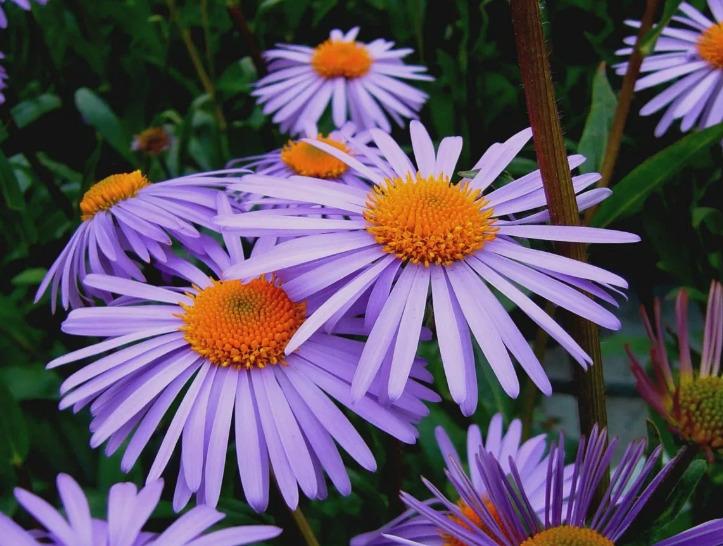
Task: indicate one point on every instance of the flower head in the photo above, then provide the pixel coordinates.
(691, 56)
(691, 403)
(362, 81)
(417, 230)
(128, 512)
(126, 218)
(505, 446)
(219, 346)
(152, 141)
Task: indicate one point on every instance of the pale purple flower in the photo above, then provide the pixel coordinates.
(126, 219)
(23, 4)
(220, 346)
(414, 230)
(505, 446)
(689, 57)
(571, 515)
(128, 511)
(362, 81)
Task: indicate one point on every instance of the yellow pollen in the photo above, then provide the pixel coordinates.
(472, 516)
(245, 325)
(307, 160)
(566, 535)
(109, 191)
(710, 46)
(333, 58)
(428, 220)
(698, 411)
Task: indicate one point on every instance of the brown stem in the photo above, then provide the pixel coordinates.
(237, 16)
(625, 99)
(304, 527)
(559, 191)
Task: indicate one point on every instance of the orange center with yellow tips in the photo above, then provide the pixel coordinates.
(710, 45)
(472, 516)
(307, 160)
(427, 220)
(245, 325)
(566, 535)
(109, 191)
(334, 59)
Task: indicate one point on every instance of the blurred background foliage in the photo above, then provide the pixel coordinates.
(85, 77)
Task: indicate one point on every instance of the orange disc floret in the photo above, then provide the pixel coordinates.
(307, 160)
(698, 412)
(109, 191)
(566, 535)
(427, 220)
(333, 59)
(246, 325)
(473, 517)
(710, 45)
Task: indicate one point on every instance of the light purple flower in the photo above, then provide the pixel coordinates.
(691, 56)
(362, 81)
(128, 512)
(529, 458)
(125, 217)
(570, 515)
(414, 230)
(222, 344)
(24, 4)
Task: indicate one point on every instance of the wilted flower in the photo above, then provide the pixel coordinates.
(414, 229)
(691, 404)
(24, 4)
(362, 82)
(128, 512)
(692, 55)
(529, 457)
(223, 344)
(151, 141)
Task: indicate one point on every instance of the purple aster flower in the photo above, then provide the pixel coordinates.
(362, 82)
(24, 4)
(221, 344)
(128, 511)
(414, 230)
(692, 55)
(571, 515)
(529, 458)
(124, 217)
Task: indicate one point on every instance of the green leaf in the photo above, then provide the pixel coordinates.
(632, 191)
(30, 110)
(647, 44)
(597, 125)
(28, 382)
(711, 217)
(14, 441)
(29, 277)
(12, 193)
(97, 113)
(680, 493)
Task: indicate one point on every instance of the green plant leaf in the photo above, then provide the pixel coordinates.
(14, 442)
(97, 113)
(597, 125)
(647, 44)
(30, 110)
(12, 193)
(630, 193)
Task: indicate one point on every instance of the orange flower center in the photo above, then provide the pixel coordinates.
(568, 536)
(428, 220)
(472, 516)
(699, 411)
(710, 45)
(246, 325)
(333, 59)
(307, 160)
(109, 191)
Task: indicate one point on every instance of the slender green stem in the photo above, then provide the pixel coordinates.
(304, 527)
(559, 191)
(237, 16)
(207, 36)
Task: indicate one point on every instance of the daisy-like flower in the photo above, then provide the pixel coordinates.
(529, 457)
(128, 512)
(222, 344)
(24, 4)
(415, 230)
(125, 216)
(570, 515)
(361, 81)
(692, 55)
(692, 403)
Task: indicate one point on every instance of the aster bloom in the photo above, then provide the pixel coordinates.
(128, 512)
(414, 229)
(222, 343)
(361, 81)
(692, 403)
(691, 56)
(529, 457)
(124, 217)
(24, 4)
(571, 515)
(152, 141)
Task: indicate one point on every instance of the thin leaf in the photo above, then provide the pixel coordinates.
(30, 110)
(12, 193)
(97, 113)
(647, 44)
(599, 119)
(14, 441)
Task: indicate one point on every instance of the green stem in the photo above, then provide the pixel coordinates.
(304, 527)
(237, 16)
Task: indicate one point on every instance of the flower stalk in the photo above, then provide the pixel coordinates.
(304, 527)
(559, 192)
